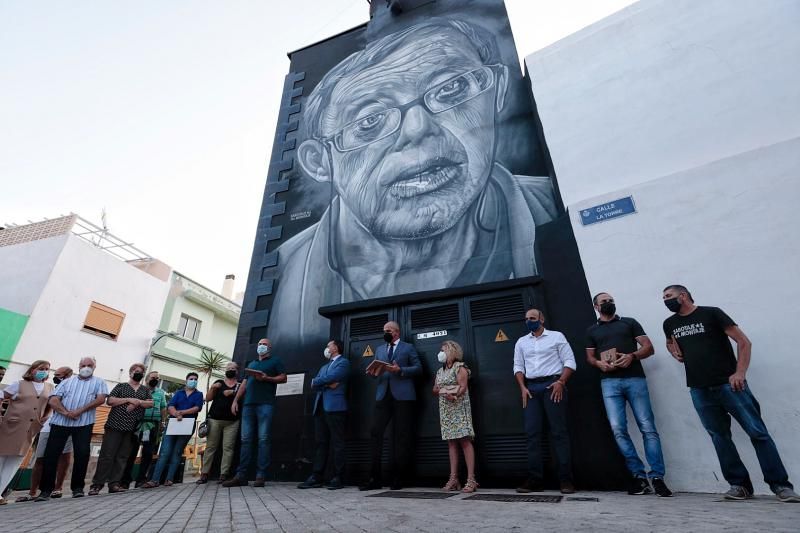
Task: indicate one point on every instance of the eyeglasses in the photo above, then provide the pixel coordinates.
(376, 126)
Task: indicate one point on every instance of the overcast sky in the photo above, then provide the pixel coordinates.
(163, 112)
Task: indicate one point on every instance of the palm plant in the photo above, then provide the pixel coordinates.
(210, 361)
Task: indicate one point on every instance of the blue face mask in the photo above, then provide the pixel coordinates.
(191, 383)
(534, 325)
(262, 349)
(41, 375)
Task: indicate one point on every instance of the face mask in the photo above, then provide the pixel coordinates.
(327, 353)
(230, 374)
(262, 349)
(608, 308)
(387, 337)
(673, 304)
(86, 371)
(191, 383)
(56, 380)
(41, 375)
(442, 357)
(153, 383)
(534, 325)
(137, 377)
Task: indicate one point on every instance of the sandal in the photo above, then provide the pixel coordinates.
(150, 485)
(27, 498)
(168, 483)
(113, 489)
(452, 484)
(94, 490)
(203, 479)
(56, 494)
(471, 485)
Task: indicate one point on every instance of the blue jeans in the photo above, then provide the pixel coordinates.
(715, 406)
(539, 408)
(618, 391)
(255, 417)
(170, 455)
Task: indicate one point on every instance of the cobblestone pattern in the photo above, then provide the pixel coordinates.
(282, 507)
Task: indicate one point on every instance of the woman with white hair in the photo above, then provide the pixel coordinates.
(455, 413)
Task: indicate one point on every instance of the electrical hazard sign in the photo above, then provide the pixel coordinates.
(368, 352)
(501, 336)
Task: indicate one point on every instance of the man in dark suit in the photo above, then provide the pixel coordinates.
(394, 401)
(330, 410)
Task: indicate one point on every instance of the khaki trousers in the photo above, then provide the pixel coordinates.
(220, 432)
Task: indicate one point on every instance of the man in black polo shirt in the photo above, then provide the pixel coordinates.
(697, 336)
(616, 345)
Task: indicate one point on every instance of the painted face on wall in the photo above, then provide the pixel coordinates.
(410, 138)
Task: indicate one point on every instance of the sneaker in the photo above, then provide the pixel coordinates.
(639, 486)
(530, 485)
(77, 494)
(235, 482)
(311, 483)
(787, 495)
(737, 492)
(660, 487)
(43, 497)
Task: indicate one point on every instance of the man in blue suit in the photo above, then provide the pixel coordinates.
(394, 401)
(330, 410)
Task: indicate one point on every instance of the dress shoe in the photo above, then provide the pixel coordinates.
(567, 487)
(259, 482)
(530, 485)
(335, 484)
(396, 485)
(311, 483)
(235, 482)
(372, 484)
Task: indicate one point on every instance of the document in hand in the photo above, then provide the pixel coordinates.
(377, 367)
(253, 372)
(180, 427)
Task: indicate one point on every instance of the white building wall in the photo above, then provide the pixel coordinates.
(24, 270)
(81, 275)
(693, 109)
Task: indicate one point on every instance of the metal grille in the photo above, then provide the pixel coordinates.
(431, 451)
(582, 499)
(417, 495)
(431, 317)
(501, 307)
(510, 449)
(368, 325)
(515, 498)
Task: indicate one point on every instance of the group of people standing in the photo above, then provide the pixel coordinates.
(543, 363)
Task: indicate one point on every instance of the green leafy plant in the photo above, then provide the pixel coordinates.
(211, 361)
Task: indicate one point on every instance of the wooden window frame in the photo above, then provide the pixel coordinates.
(103, 321)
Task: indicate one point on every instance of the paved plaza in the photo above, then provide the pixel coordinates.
(282, 507)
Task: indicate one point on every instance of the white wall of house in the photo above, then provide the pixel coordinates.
(692, 108)
(24, 271)
(83, 274)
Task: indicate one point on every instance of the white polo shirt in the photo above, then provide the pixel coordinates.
(545, 355)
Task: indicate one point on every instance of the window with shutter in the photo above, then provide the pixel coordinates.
(104, 321)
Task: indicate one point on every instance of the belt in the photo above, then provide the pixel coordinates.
(542, 379)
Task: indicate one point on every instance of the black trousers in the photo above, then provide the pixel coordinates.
(539, 408)
(81, 448)
(148, 450)
(114, 453)
(401, 414)
(329, 437)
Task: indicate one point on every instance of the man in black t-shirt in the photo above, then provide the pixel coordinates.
(616, 345)
(698, 336)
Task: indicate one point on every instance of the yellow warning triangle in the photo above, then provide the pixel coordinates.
(501, 336)
(368, 352)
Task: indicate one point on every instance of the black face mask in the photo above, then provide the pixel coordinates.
(230, 374)
(153, 383)
(56, 380)
(673, 304)
(608, 308)
(387, 337)
(137, 377)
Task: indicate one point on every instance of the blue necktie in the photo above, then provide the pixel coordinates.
(391, 353)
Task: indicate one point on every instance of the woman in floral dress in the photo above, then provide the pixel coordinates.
(455, 413)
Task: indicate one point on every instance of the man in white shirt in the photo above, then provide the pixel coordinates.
(543, 363)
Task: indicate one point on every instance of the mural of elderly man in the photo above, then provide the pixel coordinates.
(406, 132)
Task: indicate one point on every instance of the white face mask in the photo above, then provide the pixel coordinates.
(86, 371)
(327, 353)
(262, 349)
(442, 357)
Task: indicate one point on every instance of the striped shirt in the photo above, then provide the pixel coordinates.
(74, 394)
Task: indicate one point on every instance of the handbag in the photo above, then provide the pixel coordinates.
(202, 429)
